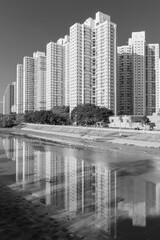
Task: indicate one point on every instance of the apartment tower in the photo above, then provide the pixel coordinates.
(28, 84)
(39, 81)
(14, 106)
(152, 79)
(93, 62)
(8, 99)
(139, 88)
(19, 99)
(80, 64)
(124, 81)
(105, 62)
(56, 65)
(138, 77)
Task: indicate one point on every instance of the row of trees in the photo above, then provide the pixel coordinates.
(87, 114)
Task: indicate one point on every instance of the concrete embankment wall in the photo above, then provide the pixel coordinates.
(119, 136)
(81, 130)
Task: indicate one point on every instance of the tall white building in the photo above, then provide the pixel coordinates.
(39, 81)
(80, 64)
(93, 62)
(19, 99)
(105, 62)
(66, 45)
(55, 78)
(139, 72)
(28, 84)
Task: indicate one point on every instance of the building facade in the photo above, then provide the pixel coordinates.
(139, 88)
(28, 84)
(152, 78)
(93, 62)
(8, 99)
(19, 95)
(138, 77)
(39, 81)
(80, 65)
(124, 81)
(105, 62)
(55, 75)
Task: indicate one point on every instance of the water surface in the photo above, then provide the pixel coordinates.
(114, 194)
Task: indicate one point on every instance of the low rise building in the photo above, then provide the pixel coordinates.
(128, 122)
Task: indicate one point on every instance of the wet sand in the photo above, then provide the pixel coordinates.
(21, 219)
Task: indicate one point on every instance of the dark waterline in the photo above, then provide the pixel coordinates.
(115, 194)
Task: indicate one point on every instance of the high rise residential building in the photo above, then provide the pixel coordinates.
(139, 74)
(124, 81)
(8, 99)
(105, 62)
(152, 79)
(80, 69)
(138, 77)
(28, 84)
(80, 64)
(19, 95)
(39, 81)
(158, 93)
(66, 45)
(14, 107)
(55, 77)
(93, 62)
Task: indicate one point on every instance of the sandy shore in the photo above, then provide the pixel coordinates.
(22, 219)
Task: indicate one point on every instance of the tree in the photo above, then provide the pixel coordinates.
(46, 117)
(90, 114)
(145, 120)
(8, 120)
(19, 118)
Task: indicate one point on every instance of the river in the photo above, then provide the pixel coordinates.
(113, 193)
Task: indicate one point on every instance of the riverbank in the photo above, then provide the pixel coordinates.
(99, 139)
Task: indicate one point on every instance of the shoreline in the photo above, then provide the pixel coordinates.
(96, 140)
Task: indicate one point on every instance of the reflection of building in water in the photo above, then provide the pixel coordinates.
(19, 159)
(105, 197)
(55, 178)
(140, 197)
(28, 163)
(152, 181)
(79, 185)
(139, 206)
(85, 187)
(71, 184)
(9, 147)
(40, 163)
(132, 192)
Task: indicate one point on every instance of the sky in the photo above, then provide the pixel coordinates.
(26, 26)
